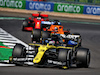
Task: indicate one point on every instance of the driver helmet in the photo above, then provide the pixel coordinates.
(55, 28)
(52, 42)
(45, 41)
(38, 18)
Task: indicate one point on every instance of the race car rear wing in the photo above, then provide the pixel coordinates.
(41, 15)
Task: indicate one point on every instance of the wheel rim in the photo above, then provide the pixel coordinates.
(88, 58)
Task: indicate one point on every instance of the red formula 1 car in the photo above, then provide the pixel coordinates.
(35, 22)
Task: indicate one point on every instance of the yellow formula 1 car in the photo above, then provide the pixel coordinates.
(50, 53)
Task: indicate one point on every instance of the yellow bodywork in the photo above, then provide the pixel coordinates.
(42, 49)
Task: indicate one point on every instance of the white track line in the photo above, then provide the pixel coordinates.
(8, 41)
(8, 38)
(9, 44)
(1, 64)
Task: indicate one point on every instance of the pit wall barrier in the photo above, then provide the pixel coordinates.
(79, 9)
(91, 10)
(18, 4)
(48, 6)
(68, 8)
(41, 6)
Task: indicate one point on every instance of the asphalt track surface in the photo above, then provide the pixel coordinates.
(91, 39)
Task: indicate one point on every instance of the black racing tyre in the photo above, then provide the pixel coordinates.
(25, 24)
(23, 28)
(45, 34)
(36, 35)
(76, 33)
(65, 56)
(83, 57)
(18, 51)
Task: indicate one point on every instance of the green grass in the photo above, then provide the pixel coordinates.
(84, 1)
(69, 0)
(97, 1)
(79, 1)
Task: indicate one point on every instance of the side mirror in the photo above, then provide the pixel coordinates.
(68, 29)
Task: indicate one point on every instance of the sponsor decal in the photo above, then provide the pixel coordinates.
(12, 3)
(39, 6)
(43, 6)
(70, 8)
(94, 10)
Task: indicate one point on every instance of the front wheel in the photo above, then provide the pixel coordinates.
(36, 35)
(65, 56)
(83, 57)
(18, 51)
(45, 34)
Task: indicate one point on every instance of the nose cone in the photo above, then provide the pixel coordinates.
(38, 58)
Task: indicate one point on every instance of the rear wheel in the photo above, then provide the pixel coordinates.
(25, 24)
(83, 57)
